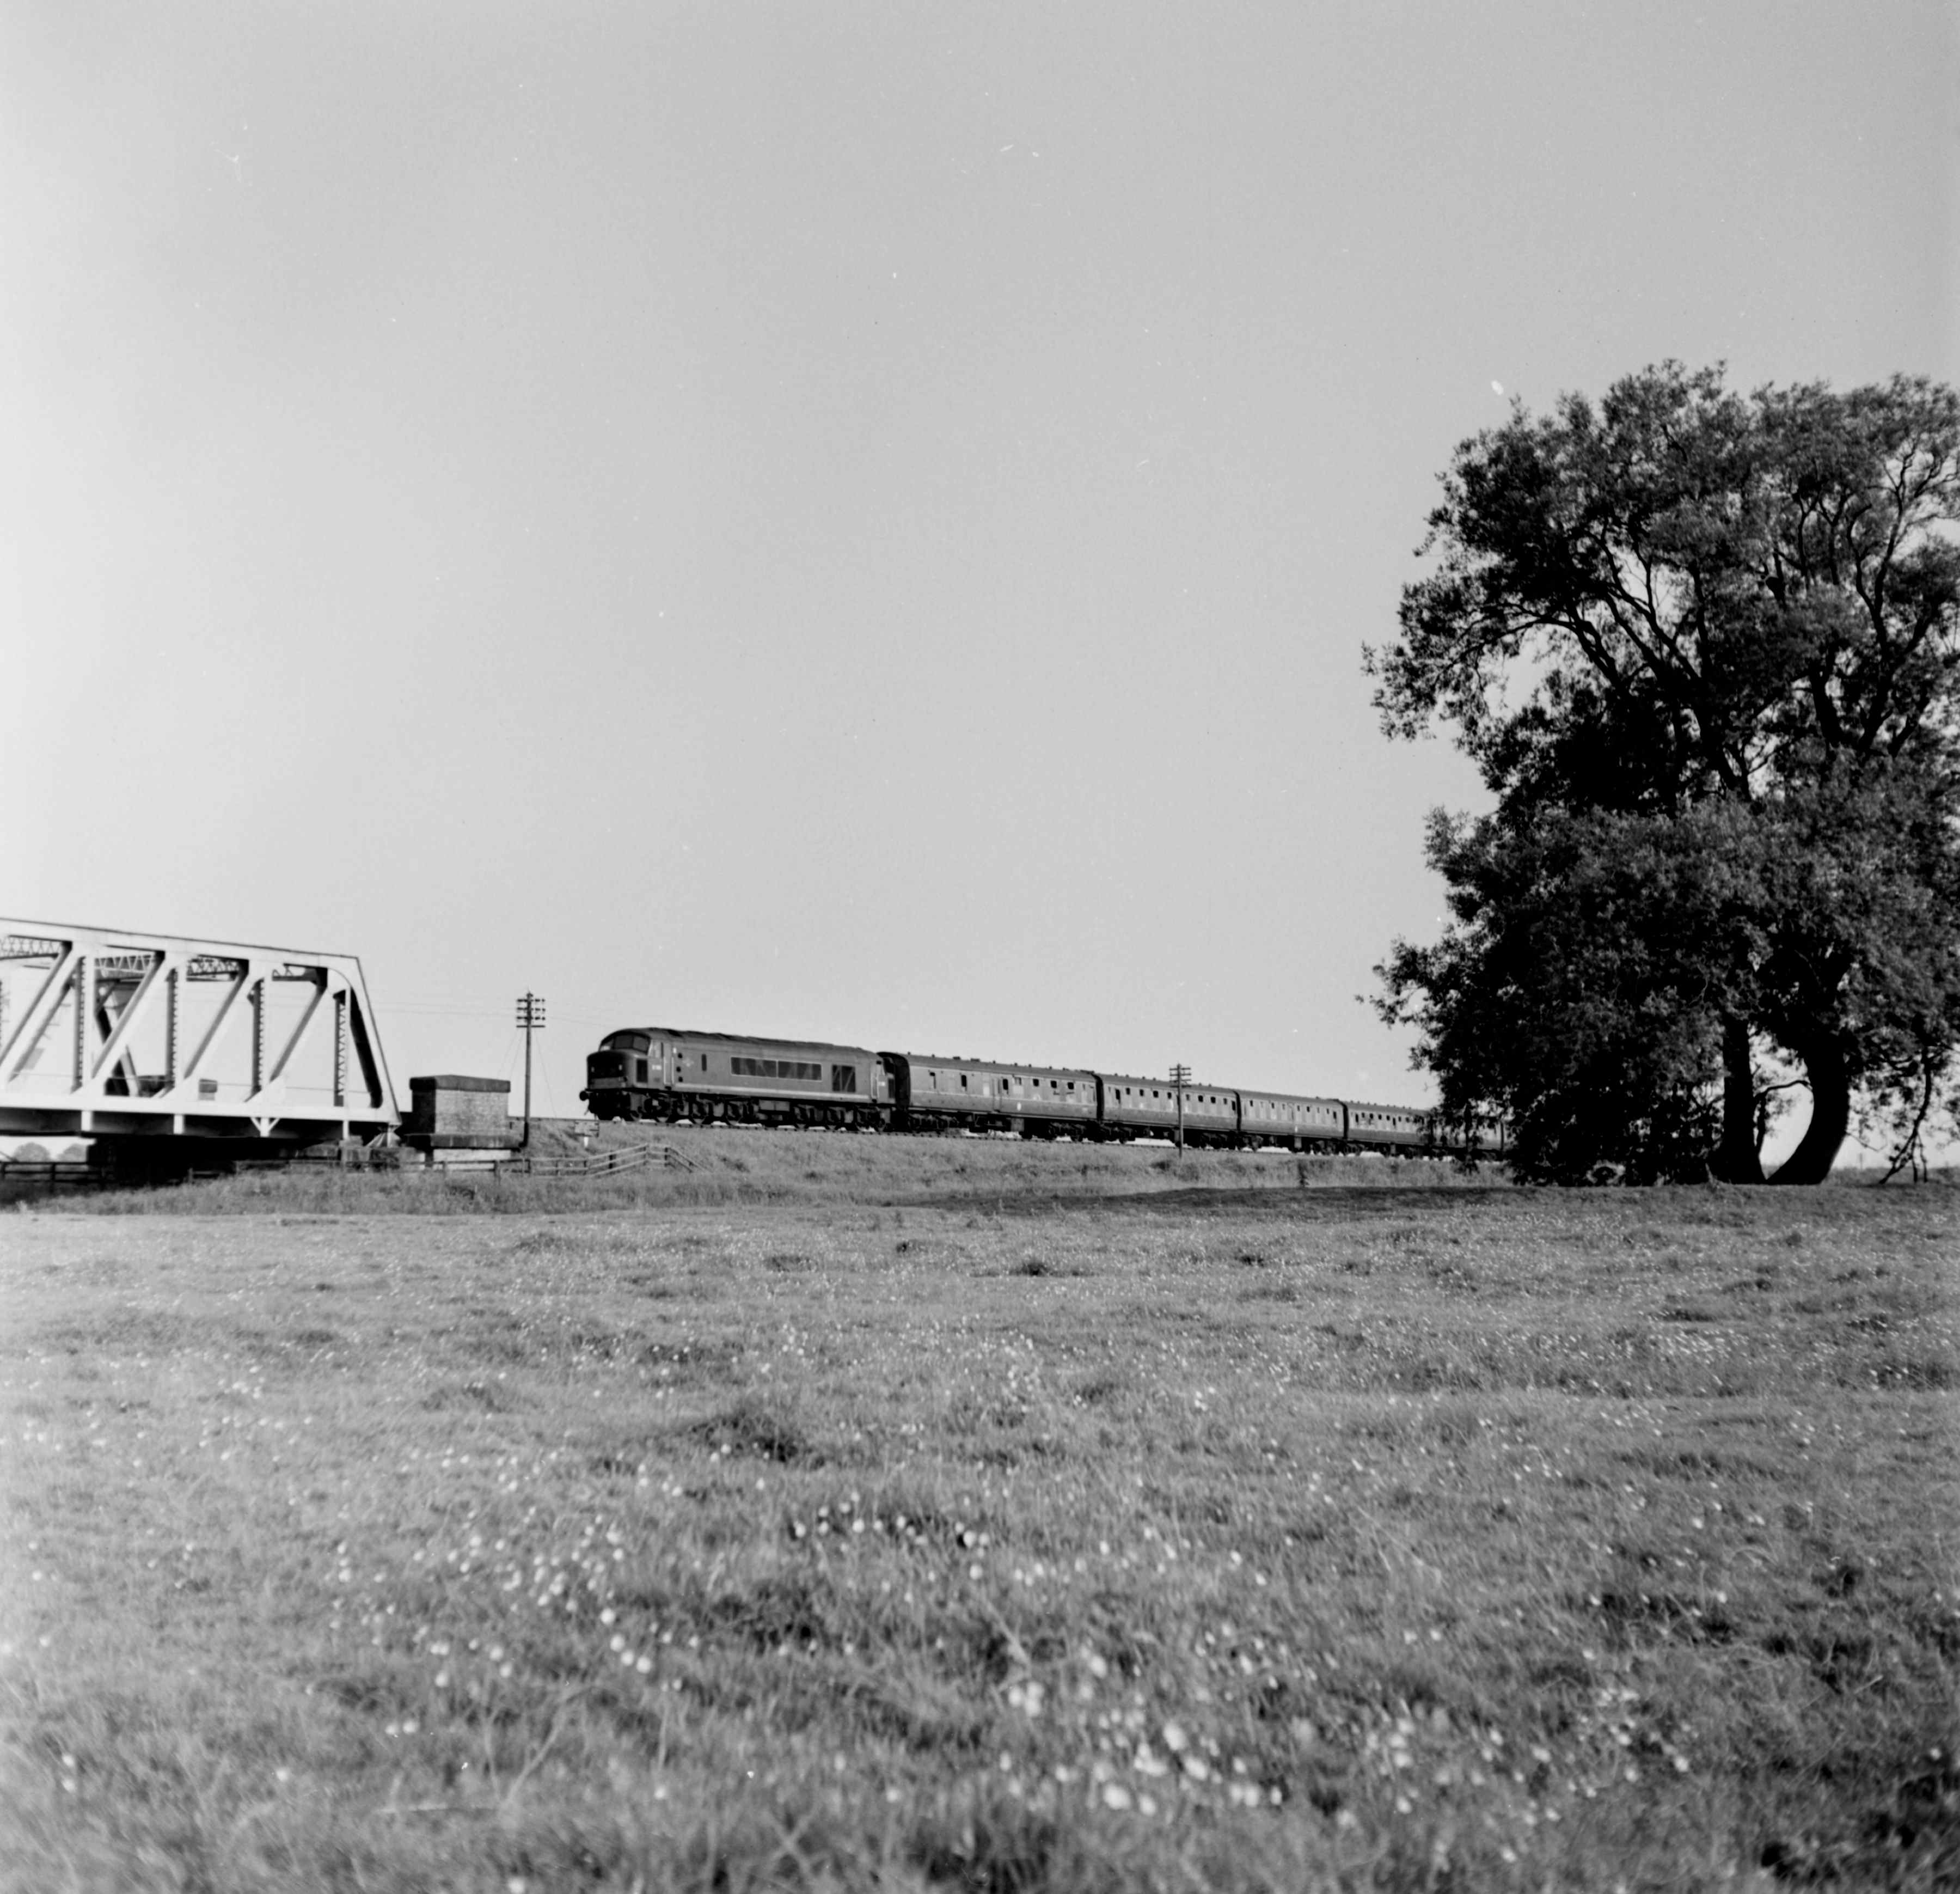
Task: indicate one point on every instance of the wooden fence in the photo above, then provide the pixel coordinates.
(595, 1163)
(35, 1176)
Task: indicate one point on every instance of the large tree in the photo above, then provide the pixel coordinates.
(1705, 649)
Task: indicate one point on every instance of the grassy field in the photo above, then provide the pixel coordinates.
(1029, 1537)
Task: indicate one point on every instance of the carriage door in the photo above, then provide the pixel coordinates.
(844, 1078)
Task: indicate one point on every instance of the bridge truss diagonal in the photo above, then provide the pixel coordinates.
(120, 1033)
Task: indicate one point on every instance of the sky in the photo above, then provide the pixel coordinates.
(851, 521)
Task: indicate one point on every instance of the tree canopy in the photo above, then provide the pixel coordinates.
(1704, 648)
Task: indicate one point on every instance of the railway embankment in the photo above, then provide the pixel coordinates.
(696, 1166)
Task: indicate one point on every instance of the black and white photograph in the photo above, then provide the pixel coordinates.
(1011, 949)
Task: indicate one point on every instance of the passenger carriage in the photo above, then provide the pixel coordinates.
(1483, 1136)
(1388, 1128)
(1300, 1124)
(1133, 1107)
(931, 1092)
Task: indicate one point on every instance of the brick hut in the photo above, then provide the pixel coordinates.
(451, 1112)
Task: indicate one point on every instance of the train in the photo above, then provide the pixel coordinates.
(666, 1074)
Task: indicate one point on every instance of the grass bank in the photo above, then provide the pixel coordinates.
(727, 1167)
(1288, 1539)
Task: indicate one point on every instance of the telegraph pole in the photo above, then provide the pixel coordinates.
(530, 1019)
(1180, 1076)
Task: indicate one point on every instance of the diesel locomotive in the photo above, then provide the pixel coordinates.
(667, 1074)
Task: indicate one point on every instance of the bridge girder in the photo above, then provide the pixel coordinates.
(118, 1033)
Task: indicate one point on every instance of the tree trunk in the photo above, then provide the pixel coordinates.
(1830, 1113)
(1738, 1161)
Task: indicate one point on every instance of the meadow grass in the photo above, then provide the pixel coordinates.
(1266, 1537)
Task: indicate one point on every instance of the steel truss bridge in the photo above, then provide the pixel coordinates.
(126, 1036)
